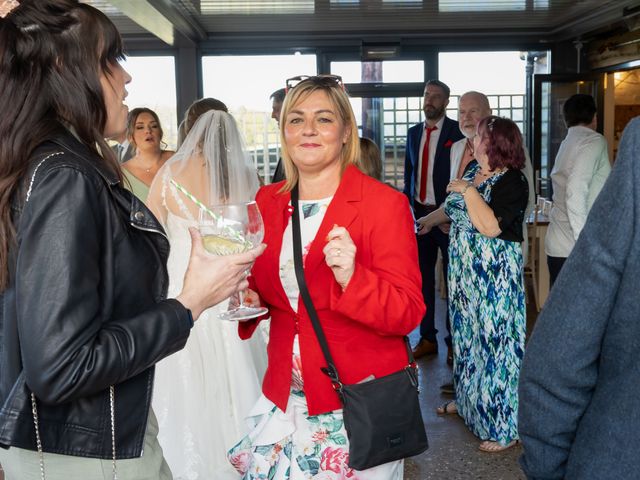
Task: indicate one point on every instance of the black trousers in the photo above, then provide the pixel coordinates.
(428, 246)
(555, 265)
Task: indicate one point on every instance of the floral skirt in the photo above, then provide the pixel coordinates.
(292, 445)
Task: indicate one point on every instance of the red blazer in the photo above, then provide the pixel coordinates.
(365, 324)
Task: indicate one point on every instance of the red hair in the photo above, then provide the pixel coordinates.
(504, 142)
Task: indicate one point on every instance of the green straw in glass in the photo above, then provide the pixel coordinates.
(232, 233)
(194, 199)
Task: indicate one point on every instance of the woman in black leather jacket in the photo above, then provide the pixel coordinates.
(83, 313)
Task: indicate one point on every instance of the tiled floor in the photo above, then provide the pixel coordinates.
(453, 453)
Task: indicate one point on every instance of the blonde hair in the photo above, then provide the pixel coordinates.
(370, 159)
(340, 101)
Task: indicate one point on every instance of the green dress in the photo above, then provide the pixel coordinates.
(135, 185)
(487, 311)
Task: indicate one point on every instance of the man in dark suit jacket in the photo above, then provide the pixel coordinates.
(123, 149)
(277, 98)
(425, 182)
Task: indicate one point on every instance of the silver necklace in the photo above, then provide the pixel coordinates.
(147, 170)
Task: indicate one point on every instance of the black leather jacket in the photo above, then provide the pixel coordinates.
(85, 308)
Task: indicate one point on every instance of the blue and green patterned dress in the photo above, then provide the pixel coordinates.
(487, 310)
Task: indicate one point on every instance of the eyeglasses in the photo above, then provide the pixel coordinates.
(325, 80)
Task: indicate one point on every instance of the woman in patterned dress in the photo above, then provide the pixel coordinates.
(486, 288)
(361, 268)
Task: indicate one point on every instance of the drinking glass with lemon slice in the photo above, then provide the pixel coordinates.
(229, 229)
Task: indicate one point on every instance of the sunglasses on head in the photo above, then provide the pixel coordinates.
(325, 80)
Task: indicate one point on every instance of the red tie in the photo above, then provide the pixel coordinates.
(425, 165)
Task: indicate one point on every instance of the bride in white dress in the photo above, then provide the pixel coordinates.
(203, 393)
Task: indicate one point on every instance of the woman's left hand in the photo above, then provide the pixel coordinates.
(340, 255)
(457, 185)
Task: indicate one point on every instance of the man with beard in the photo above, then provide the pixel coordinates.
(473, 107)
(426, 175)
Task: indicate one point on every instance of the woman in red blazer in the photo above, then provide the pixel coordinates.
(361, 269)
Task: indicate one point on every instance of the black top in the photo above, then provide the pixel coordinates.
(278, 174)
(509, 197)
(85, 307)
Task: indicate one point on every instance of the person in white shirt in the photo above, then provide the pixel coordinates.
(579, 172)
(472, 107)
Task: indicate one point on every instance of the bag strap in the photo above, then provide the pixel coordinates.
(36, 424)
(331, 370)
(34, 405)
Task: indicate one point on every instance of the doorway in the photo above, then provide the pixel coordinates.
(549, 129)
(626, 103)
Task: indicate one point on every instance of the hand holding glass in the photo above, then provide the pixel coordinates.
(227, 230)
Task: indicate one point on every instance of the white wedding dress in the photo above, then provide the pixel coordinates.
(204, 392)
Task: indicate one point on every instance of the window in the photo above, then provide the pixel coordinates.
(499, 75)
(153, 85)
(385, 112)
(244, 84)
(257, 7)
(386, 121)
(388, 71)
(482, 5)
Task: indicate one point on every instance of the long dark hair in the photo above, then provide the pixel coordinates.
(52, 53)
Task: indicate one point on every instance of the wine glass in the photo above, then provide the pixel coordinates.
(229, 229)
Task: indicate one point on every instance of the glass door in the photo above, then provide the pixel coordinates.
(386, 97)
(549, 129)
(146, 91)
(385, 120)
(233, 79)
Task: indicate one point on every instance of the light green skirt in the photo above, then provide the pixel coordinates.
(20, 464)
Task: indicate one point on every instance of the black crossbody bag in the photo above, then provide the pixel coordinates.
(382, 416)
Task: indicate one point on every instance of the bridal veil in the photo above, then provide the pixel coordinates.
(212, 165)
